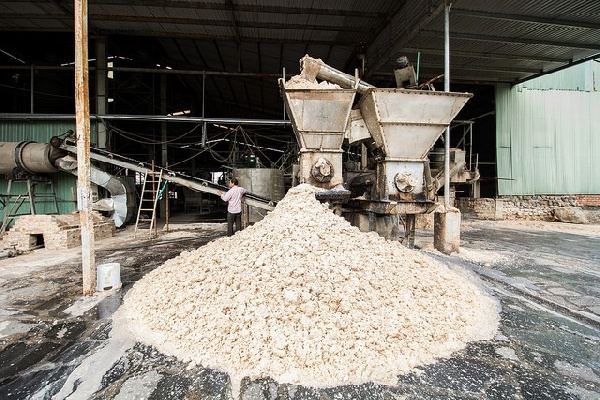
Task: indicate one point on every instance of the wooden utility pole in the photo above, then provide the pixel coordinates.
(82, 117)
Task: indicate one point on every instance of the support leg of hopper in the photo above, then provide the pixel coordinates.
(446, 235)
(409, 230)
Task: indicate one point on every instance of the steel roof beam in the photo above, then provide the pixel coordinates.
(223, 7)
(459, 67)
(188, 21)
(489, 55)
(504, 39)
(415, 30)
(525, 18)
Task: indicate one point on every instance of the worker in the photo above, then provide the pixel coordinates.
(233, 197)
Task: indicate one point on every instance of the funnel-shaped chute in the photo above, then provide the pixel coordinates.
(319, 116)
(406, 123)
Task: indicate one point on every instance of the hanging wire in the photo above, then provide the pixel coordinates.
(249, 142)
(144, 140)
(236, 136)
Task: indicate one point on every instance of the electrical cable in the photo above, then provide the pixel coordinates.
(154, 142)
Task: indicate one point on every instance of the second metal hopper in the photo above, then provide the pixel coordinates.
(406, 123)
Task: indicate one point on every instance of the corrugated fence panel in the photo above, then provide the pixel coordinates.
(503, 139)
(594, 142)
(64, 184)
(582, 77)
(546, 141)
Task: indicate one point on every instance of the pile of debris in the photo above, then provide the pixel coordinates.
(305, 298)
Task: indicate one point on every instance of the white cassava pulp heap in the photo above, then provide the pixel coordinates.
(305, 298)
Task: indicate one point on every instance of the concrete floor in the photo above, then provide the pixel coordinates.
(56, 344)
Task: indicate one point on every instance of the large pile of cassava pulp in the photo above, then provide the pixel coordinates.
(305, 298)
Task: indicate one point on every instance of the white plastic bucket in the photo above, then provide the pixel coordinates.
(108, 276)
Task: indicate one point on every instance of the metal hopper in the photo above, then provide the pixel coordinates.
(405, 124)
(319, 118)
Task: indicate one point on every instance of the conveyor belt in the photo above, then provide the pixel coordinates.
(197, 184)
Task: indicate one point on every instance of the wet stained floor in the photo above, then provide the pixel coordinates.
(53, 346)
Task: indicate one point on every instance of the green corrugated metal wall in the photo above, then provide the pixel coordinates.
(548, 140)
(64, 183)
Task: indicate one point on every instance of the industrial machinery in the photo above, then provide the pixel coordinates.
(265, 182)
(28, 160)
(319, 115)
(397, 126)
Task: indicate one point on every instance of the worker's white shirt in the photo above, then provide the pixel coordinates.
(234, 199)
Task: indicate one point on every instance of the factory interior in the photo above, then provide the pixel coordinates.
(421, 216)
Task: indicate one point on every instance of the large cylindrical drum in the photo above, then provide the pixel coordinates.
(31, 157)
(263, 182)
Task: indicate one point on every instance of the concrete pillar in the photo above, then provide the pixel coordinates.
(446, 230)
(498, 209)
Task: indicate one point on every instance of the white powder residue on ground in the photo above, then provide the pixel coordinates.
(486, 258)
(546, 226)
(305, 298)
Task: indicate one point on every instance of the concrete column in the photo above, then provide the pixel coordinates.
(446, 230)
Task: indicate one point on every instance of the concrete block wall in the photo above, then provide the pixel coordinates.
(55, 232)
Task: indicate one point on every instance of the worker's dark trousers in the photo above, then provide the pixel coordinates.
(231, 218)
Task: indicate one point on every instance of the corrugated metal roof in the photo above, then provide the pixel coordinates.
(491, 41)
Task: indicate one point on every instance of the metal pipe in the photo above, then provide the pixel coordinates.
(31, 157)
(224, 121)
(418, 68)
(163, 124)
(284, 116)
(470, 147)
(101, 98)
(203, 91)
(31, 91)
(204, 132)
(121, 196)
(321, 70)
(447, 89)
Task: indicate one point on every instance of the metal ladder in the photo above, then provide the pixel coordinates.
(149, 204)
(14, 202)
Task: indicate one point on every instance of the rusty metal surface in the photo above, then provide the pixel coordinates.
(309, 158)
(388, 173)
(391, 207)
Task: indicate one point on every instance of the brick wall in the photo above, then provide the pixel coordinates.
(588, 200)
